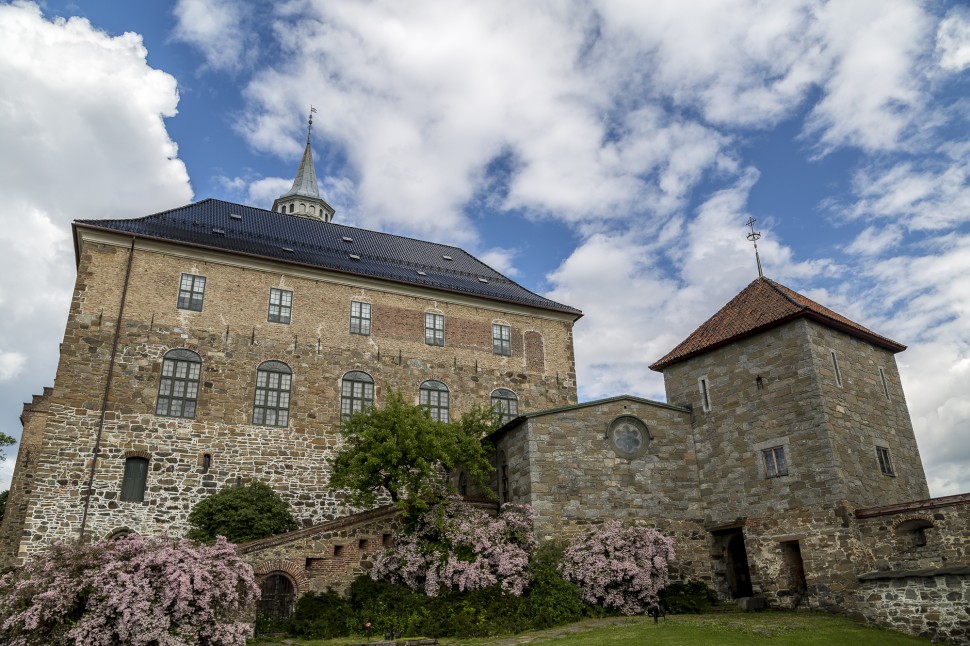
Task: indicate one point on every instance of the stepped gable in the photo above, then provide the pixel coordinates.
(762, 305)
(235, 228)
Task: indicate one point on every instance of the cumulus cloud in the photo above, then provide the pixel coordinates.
(81, 136)
(872, 91)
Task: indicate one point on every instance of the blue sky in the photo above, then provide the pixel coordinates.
(604, 153)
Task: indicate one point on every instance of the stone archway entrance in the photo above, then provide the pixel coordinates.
(278, 595)
(729, 549)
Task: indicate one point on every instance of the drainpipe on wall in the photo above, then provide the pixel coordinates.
(107, 390)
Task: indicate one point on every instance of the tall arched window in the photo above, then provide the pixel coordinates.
(178, 390)
(356, 393)
(136, 476)
(272, 404)
(505, 402)
(434, 395)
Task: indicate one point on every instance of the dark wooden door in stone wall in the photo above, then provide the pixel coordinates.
(278, 594)
(739, 576)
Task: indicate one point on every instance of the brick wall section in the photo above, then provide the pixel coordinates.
(326, 556)
(232, 336)
(829, 433)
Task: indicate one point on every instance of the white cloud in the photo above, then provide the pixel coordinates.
(873, 91)
(872, 241)
(11, 363)
(81, 136)
(217, 28)
(6, 468)
(953, 40)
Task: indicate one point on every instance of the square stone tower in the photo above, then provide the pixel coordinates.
(793, 405)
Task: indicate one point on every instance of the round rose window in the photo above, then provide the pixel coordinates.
(629, 436)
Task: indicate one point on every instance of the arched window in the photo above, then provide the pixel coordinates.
(272, 404)
(503, 477)
(505, 402)
(178, 390)
(434, 395)
(136, 475)
(356, 393)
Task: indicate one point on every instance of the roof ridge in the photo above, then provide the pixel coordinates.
(778, 288)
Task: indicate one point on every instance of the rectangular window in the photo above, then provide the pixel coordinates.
(359, 318)
(885, 384)
(191, 291)
(705, 394)
(434, 329)
(775, 464)
(885, 462)
(280, 305)
(502, 339)
(838, 373)
(136, 475)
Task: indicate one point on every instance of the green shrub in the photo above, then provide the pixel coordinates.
(240, 514)
(688, 597)
(320, 615)
(552, 599)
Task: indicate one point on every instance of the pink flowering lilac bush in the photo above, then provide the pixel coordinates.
(618, 567)
(456, 546)
(130, 590)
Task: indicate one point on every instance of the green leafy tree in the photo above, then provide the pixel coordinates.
(3, 503)
(240, 514)
(397, 450)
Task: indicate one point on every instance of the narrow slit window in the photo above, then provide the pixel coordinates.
(359, 318)
(775, 463)
(206, 462)
(280, 305)
(838, 373)
(885, 383)
(191, 292)
(885, 461)
(705, 394)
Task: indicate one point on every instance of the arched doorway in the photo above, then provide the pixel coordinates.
(739, 577)
(278, 595)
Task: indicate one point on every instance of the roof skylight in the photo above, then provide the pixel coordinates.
(447, 257)
(354, 256)
(235, 216)
(220, 232)
(346, 239)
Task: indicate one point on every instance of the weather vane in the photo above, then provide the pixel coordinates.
(753, 237)
(309, 124)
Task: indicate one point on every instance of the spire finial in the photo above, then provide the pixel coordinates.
(753, 237)
(309, 123)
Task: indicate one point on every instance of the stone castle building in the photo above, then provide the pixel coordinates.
(217, 343)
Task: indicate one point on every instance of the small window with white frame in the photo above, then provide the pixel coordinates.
(191, 292)
(434, 329)
(501, 339)
(280, 305)
(885, 461)
(704, 387)
(360, 318)
(776, 465)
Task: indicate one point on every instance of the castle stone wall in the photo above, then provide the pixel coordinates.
(232, 337)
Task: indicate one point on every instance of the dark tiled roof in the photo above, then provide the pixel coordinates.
(235, 228)
(760, 306)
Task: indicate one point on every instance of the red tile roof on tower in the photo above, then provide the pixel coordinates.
(762, 305)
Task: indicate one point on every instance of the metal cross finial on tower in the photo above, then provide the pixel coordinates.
(309, 123)
(753, 237)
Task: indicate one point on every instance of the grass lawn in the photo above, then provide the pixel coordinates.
(727, 629)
